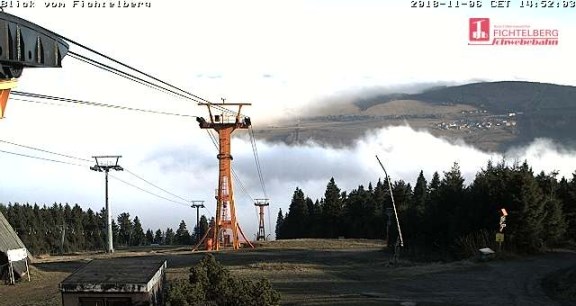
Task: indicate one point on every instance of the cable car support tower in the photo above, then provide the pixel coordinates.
(225, 231)
(261, 203)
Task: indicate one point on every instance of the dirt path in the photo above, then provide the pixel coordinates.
(496, 283)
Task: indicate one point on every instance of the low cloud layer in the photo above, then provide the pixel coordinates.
(403, 150)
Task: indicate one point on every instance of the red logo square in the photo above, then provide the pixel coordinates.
(479, 29)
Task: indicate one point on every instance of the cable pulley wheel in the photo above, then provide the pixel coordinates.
(10, 72)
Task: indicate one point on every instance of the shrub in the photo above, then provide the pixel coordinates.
(210, 283)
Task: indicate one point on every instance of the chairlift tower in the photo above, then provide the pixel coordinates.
(104, 164)
(197, 205)
(226, 230)
(261, 203)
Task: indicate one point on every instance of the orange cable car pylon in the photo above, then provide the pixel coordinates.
(5, 86)
(225, 232)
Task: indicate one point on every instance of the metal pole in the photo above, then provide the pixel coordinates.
(197, 205)
(197, 216)
(393, 203)
(105, 167)
(108, 216)
(388, 231)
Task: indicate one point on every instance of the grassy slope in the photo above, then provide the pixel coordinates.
(324, 272)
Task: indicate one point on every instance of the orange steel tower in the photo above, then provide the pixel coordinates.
(226, 230)
(261, 203)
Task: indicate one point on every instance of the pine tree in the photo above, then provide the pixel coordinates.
(149, 237)
(59, 229)
(138, 236)
(69, 245)
(200, 229)
(554, 221)
(169, 237)
(158, 237)
(182, 234)
(312, 219)
(125, 229)
(77, 237)
(115, 233)
(381, 198)
(332, 210)
(402, 195)
(525, 218)
(316, 220)
(103, 227)
(567, 195)
(295, 224)
(488, 195)
(94, 238)
(279, 224)
(356, 210)
(420, 195)
(447, 203)
(435, 182)
(203, 227)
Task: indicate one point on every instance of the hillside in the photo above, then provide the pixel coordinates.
(489, 115)
(498, 97)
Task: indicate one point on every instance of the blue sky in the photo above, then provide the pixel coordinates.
(282, 56)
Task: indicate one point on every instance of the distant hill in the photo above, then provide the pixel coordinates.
(497, 97)
(547, 110)
(488, 115)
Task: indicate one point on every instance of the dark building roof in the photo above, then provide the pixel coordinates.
(9, 240)
(116, 275)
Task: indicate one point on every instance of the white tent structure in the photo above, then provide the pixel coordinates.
(13, 253)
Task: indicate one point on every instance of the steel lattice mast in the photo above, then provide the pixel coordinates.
(261, 203)
(226, 225)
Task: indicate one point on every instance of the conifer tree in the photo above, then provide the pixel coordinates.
(554, 220)
(169, 237)
(420, 195)
(279, 224)
(294, 226)
(158, 237)
(182, 234)
(125, 229)
(149, 237)
(138, 236)
(525, 220)
(332, 210)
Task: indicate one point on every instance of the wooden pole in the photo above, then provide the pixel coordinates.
(11, 273)
(27, 268)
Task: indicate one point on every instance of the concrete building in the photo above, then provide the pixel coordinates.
(116, 282)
